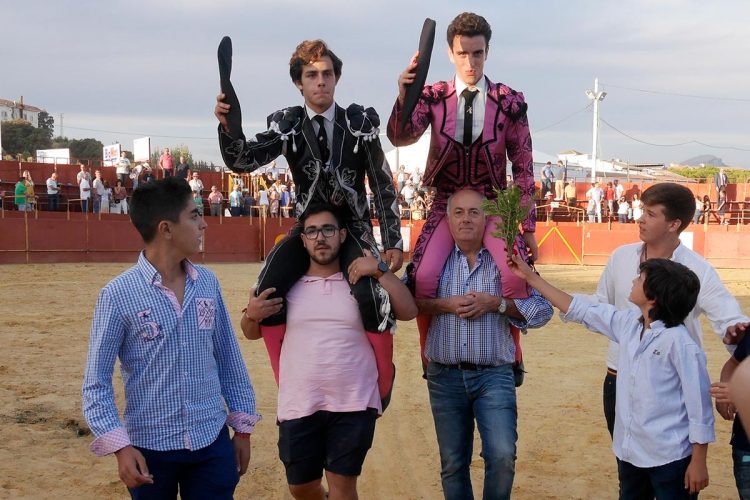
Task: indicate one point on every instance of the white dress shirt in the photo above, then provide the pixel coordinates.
(479, 103)
(720, 307)
(663, 400)
(329, 115)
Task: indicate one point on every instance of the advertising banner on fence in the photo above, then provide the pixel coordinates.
(53, 156)
(142, 149)
(110, 154)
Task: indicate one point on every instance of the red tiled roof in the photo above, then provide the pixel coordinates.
(26, 107)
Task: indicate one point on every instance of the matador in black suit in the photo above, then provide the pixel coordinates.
(330, 152)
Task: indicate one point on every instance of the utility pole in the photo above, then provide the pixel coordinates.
(595, 96)
(62, 129)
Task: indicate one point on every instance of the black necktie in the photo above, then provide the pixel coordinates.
(468, 96)
(322, 138)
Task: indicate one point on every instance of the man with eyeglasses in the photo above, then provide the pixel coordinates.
(328, 392)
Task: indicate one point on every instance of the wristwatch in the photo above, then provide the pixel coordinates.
(382, 269)
(503, 306)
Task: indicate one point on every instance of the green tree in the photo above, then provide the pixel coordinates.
(80, 149)
(20, 137)
(86, 149)
(706, 173)
(47, 124)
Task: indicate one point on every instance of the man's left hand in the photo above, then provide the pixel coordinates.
(394, 258)
(241, 453)
(735, 333)
(479, 303)
(362, 267)
(530, 240)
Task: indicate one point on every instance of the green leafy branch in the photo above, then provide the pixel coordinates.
(510, 208)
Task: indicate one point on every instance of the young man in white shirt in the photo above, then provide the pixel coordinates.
(664, 416)
(667, 210)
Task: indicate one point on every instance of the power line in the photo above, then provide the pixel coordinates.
(142, 134)
(675, 94)
(571, 115)
(669, 145)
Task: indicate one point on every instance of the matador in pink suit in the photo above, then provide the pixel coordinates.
(475, 124)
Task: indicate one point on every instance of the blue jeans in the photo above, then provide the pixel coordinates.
(665, 482)
(741, 460)
(210, 472)
(458, 398)
(85, 205)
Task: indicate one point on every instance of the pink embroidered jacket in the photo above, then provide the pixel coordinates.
(452, 166)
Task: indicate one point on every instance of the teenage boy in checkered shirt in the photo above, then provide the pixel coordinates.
(185, 379)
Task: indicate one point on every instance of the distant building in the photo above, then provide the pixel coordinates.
(17, 110)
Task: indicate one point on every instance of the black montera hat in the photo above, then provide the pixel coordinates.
(234, 117)
(426, 40)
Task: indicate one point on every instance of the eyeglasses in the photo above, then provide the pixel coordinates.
(312, 232)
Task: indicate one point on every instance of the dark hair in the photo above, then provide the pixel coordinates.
(677, 200)
(674, 289)
(318, 208)
(469, 24)
(156, 201)
(308, 52)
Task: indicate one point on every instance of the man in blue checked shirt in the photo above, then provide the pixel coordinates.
(470, 353)
(181, 365)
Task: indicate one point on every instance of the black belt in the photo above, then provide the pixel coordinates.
(463, 365)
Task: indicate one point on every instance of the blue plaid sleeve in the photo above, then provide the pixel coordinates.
(536, 310)
(107, 330)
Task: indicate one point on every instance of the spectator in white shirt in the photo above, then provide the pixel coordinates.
(664, 415)
(408, 192)
(98, 190)
(594, 208)
(196, 184)
(85, 191)
(53, 193)
(123, 168)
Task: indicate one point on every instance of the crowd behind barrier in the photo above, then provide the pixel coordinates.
(262, 195)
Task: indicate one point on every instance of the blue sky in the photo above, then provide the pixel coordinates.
(149, 67)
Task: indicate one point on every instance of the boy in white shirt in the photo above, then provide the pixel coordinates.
(664, 419)
(667, 211)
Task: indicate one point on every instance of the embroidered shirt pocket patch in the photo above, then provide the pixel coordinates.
(149, 329)
(206, 313)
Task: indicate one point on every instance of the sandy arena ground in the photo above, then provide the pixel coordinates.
(563, 449)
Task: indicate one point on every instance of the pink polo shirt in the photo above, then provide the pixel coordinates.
(326, 360)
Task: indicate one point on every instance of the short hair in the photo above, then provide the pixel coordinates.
(469, 24)
(677, 200)
(156, 201)
(674, 289)
(308, 52)
(318, 208)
